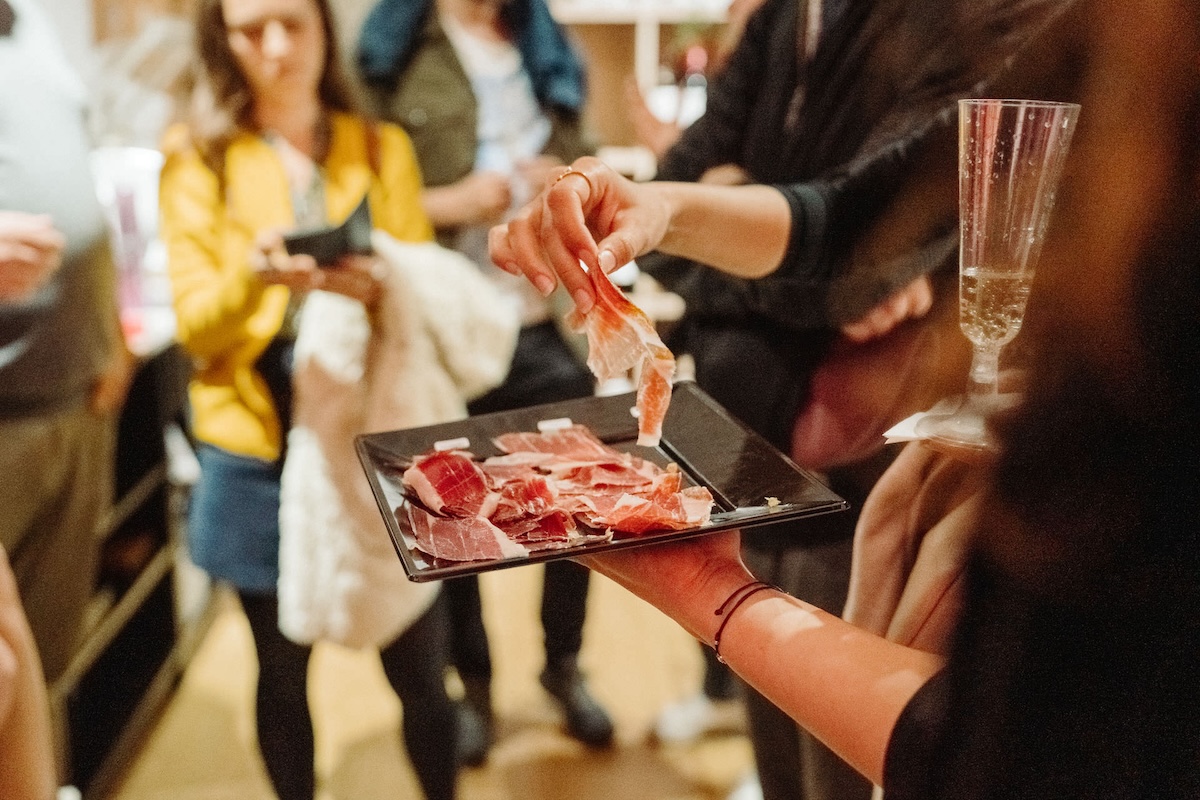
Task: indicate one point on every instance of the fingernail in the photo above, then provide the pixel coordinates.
(544, 284)
(607, 261)
(583, 301)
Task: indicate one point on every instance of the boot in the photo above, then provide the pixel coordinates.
(474, 713)
(586, 720)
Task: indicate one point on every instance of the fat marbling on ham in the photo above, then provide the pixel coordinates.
(450, 483)
(548, 490)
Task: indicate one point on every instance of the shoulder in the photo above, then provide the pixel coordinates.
(184, 153)
(177, 141)
(183, 163)
(180, 142)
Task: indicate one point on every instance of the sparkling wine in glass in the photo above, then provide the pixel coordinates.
(1010, 161)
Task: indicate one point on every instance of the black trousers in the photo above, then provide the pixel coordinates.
(414, 664)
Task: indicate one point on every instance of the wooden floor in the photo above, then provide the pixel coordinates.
(638, 661)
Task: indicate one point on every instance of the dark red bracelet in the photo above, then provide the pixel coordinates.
(731, 604)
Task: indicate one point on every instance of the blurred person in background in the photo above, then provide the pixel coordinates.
(30, 253)
(492, 94)
(273, 141)
(64, 366)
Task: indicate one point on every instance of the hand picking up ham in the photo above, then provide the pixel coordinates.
(549, 490)
(621, 338)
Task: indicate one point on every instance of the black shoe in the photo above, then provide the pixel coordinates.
(474, 737)
(587, 721)
(474, 713)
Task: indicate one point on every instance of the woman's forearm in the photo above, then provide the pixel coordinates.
(844, 685)
(442, 206)
(742, 230)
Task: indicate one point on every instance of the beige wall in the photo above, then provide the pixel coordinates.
(608, 49)
(116, 19)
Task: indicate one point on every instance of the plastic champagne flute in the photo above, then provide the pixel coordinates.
(1010, 162)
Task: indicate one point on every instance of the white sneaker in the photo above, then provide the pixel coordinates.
(697, 716)
(748, 788)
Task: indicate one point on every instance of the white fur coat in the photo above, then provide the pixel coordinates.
(443, 335)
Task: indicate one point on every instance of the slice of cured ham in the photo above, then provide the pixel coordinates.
(451, 483)
(576, 460)
(622, 338)
(527, 496)
(549, 531)
(688, 508)
(459, 538)
(573, 441)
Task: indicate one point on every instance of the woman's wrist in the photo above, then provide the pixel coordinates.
(711, 606)
(687, 581)
(726, 610)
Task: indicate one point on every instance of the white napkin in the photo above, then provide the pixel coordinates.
(906, 429)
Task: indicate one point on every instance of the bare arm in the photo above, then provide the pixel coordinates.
(481, 198)
(27, 766)
(843, 684)
(594, 215)
(740, 230)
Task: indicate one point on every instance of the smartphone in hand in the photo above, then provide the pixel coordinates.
(327, 244)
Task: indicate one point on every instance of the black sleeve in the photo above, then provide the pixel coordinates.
(865, 230)
(718, 136)
(844, 255)
(911, 757)
(793, 297)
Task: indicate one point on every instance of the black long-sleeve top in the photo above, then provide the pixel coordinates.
(862, 141)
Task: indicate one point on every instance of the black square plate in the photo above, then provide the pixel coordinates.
(751, 481)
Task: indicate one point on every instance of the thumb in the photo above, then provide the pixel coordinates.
(614, 251)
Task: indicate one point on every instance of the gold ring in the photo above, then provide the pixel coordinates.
(571, 171)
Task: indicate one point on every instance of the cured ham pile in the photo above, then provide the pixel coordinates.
(622, 338)
(548, 490)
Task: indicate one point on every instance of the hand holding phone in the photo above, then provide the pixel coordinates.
(327, 244)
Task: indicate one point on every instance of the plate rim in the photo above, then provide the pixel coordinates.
(825, 501)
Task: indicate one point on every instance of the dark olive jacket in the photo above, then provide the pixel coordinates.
(429, 94)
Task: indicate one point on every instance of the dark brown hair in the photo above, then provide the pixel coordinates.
(1073, 673)
(222, 103)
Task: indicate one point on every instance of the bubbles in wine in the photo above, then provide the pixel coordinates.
(992, 304)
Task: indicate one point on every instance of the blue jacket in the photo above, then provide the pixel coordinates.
(390, 33)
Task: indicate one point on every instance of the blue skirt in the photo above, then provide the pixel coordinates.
(233, 522)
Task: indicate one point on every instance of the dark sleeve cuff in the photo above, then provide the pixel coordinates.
(794, 296)
(913, 748)
(810, 217)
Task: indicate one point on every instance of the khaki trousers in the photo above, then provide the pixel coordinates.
(56, 485)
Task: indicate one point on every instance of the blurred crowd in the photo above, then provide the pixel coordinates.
(1014, 621)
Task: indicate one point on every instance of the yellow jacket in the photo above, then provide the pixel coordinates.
(226, 315)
